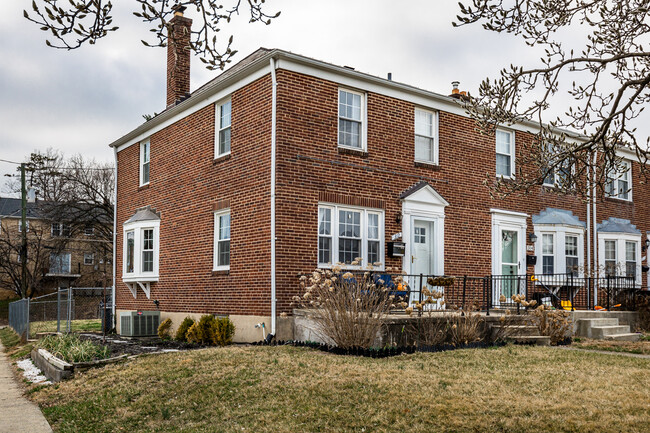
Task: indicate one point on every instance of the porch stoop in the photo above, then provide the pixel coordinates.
(523, 332)
(605, 329)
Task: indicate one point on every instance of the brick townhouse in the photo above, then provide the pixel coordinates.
(283, 164)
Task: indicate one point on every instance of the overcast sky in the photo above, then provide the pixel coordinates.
(80, 101)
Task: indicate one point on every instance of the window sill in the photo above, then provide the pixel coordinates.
(356, 152)
(618, 200)
(221, 158)
(430, 165)
(139, 278)
(220, 272)
(143, 187)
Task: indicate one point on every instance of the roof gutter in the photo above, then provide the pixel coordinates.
(273, 163)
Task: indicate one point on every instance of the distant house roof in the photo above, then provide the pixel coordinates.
(553, 216)
(618, 225)
(11, 207)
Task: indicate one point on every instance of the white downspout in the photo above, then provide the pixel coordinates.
(589, 222)
(273, 145)
(114, 235)
(595, 226)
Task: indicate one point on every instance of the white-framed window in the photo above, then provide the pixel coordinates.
(560, 249)
(141, 251)
(352, 120)
(571, 254)
(223, 128)
(222, 240)
(619, 255)
(20, 225)
(60, 229)
(60, 263)
(557, 176)
(618, 182)
(145, 148)
(505, 150)
(548, 253)
(426, 136)
(89, 259)
(89, 230)
(346, 233)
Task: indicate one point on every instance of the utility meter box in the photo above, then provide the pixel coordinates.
(396, 249)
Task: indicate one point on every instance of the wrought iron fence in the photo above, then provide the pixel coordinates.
(562, 291)
(66, 310)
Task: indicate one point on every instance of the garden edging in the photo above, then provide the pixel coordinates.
(57, 369)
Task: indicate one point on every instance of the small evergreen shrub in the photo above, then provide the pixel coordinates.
(181, 332)
(164, 329)
(201, 331)
(223, 331)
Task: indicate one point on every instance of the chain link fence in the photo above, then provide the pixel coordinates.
(66, 310)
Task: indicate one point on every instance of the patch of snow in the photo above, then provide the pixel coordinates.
(148, 348)
(32, 373)
(169, 350)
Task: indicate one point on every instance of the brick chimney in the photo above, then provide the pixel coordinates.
(178, 56)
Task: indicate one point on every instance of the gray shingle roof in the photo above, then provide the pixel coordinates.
(10, 207)
(618, 225)
(554, 216)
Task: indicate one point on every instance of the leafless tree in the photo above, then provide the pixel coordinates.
(606, 80)
(72, 23)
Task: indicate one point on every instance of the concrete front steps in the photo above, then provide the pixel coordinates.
(520, 333)
(605, 329)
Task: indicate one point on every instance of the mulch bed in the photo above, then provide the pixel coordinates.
(138, 346)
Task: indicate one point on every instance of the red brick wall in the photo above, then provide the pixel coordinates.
(186, 184)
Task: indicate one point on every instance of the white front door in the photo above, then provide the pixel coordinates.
(508, 254)
(423, 253)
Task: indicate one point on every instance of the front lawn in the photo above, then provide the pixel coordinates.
(89, 325)
(289, 389)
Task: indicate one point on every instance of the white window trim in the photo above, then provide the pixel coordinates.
(434, 136)
(216, 239)
(560, 233)
(335, 208)
(620, 239)
(141, 165)
(364, 120)
(92, 259)
(137, 275)
(217, 127)
(512, 152)
(20, 225)
(617, 176)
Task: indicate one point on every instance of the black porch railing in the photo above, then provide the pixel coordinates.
(562, 291)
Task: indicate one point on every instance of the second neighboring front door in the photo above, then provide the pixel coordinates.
(423, 254)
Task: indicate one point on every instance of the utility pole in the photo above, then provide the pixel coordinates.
(23, 221)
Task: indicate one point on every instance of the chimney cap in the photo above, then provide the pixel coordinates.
(455, 85)
(178, 9)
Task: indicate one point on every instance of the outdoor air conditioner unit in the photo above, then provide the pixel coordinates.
(139, 323)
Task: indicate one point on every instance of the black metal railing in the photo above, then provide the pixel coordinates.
(562, 291)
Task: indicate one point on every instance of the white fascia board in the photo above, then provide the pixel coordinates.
(210, 97)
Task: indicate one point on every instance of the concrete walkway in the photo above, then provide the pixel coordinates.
(605, 352)
(17, 414)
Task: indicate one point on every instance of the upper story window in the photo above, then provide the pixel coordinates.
(89, 259)
(505, 150)
(222, 240)
(60, 229)
(141, 248)
(618, 182)
(20, 225)
(223, 117)
(557, 176)
(144, 162)
(426, 142)
(351, 119)
(347, 233)
(89, 230)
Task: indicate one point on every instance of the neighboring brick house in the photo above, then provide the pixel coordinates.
(283, 164)
(69, 253)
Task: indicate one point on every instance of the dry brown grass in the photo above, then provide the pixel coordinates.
(640, 347)
(287, 389)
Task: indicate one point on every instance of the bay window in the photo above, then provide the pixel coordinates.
(141, 247)
(619, 251)
(347, 233)
(560, 245)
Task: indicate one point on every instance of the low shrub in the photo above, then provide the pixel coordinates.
(223, 330)
(181, 332)
(201, 332)
(553, 323)
(70, 348)
(164, 330)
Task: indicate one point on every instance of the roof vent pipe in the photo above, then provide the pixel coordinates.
(455, 85)
(390, 76)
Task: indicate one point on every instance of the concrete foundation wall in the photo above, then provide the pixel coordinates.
(245, 330)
